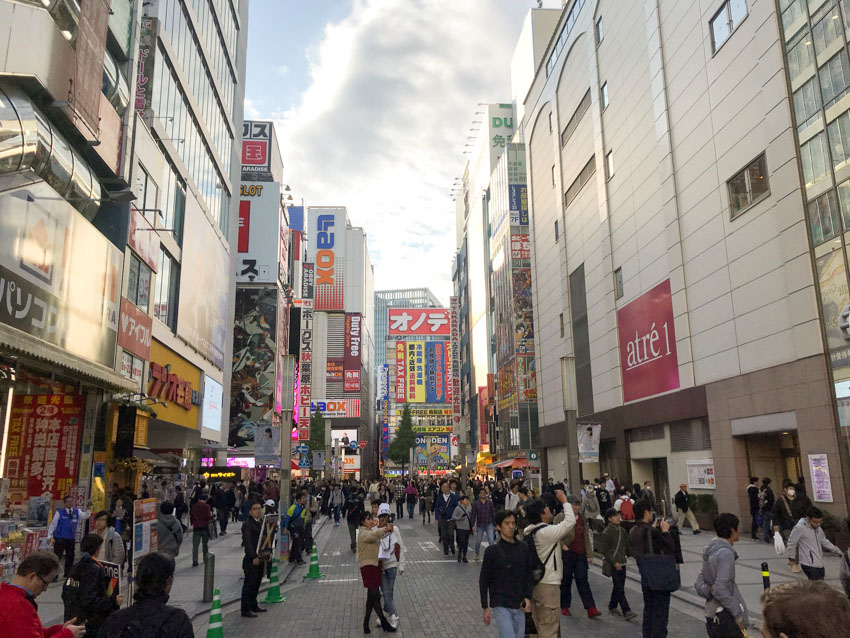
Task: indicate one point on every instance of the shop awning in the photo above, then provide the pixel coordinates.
(153, 459)
(520, 461)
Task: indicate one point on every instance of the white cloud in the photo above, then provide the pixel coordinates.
(381, 127)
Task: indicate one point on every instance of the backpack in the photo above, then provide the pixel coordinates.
(538, 567)
(627, 510)
(140, 626)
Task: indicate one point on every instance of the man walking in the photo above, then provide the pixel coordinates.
(807, 544)
(505, 580)
(577, 553)
(725, 609)
(648, 495)
(443, 510)
(398, 494)
(200, 516)
(252, 564)
(354, 507)
(615, 548)
(294, 524)
(512, 498)
(648, 538)
(684, 512)
(483, 516)
(62, 533)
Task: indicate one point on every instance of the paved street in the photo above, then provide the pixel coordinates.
(435, 597)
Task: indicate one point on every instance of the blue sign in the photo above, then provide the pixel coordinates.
(304, 463)
(353, 445)
(302, 449)
(518, 204)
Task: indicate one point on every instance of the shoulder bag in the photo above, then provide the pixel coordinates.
(658, 572)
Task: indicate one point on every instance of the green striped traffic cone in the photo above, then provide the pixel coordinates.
(273, 595)
(314, 565)
(214, 629)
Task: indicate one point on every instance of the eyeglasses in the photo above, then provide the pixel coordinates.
(48, 583)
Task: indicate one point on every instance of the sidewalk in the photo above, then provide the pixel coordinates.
(188, 589)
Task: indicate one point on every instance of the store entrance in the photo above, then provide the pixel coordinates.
(775, 455)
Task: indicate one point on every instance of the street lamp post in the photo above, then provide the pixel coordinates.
(570, 399)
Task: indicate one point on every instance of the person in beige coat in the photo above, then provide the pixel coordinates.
(368, 540)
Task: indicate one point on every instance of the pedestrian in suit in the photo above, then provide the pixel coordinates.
(444, 507)
(253, 565)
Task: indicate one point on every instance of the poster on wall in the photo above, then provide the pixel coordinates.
(433, 450)
(253, 381)
(267, 445)
(588, 442)
(526, 378)
(821, 483)
(701, 474)
(523, 316)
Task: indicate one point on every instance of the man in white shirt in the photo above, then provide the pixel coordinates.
(609, 484)
(512, 499)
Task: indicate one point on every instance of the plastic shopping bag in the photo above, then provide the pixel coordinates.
(778, 543)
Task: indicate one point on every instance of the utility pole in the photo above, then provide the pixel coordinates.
(287, 373)
(570, 399)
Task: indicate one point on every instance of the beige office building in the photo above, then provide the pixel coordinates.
(688, 166)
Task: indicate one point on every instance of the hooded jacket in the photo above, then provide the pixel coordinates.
(112, 550)
(169, 534)
(589, 505)
(806, 544)
(546, 540)
(716, 581)
(85, 594)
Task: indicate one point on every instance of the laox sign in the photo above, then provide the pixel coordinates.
(325, 253)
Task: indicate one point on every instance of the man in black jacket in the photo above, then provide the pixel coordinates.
(86, 590)
(252, 564)
(684, 510)
(150, 617)
(353, 508)
(506, 579)
(656, 604)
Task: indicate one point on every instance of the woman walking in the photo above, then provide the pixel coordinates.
(368, 540)
(411, 496)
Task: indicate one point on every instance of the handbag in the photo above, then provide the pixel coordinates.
(607, 566)
(658, 572)
(778, 543)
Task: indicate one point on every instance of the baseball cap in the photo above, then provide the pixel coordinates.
(383, 509)
(270, 503)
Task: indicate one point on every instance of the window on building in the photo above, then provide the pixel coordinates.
(609, 165)
(844, 202)
(553, 175)
(814, 158)
(174, 204)
(726, 20)
(826, 31)
(146, 192)
(793, 15)
(550, 121)
(618, 283)
(807, 105)
(603, 95)
(835, 78)
(600, 35)
(801, 57)
(167, 290)
(561, 324)
(556, 230)
(582, 179)
(748, 186)
(823, 217)
(139, 283)
(839, 140)
(571, 126)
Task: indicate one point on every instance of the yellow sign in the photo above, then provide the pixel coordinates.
(415, 371)
(173, 412)
(430, 412)
(432, 429)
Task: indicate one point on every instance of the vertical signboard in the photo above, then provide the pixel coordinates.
(258, 242)
(147, 58)
(435, 372)
(327, 251)
(385, 429)
(454, 308)
(400, 372)
(306, 359)
(351, 364)
(416, 372)
(256, 152)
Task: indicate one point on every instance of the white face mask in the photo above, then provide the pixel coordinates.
(791, 493)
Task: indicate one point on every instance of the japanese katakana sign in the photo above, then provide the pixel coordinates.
(418, 321)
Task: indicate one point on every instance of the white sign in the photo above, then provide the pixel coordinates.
(337, 409)
(821, 484)
(211, 411)
(267, 445)
(259, 232)
(588, 442)
(351, 463)
(701, 474)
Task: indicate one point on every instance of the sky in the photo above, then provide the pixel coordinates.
(373, 101)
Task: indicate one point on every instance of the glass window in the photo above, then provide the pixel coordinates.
(167, 287)
(844, 201)
(835, 78)
(618, 283)
(823, 217)
(807, 104)
(792, 12)
(814, 158)
(801, 58)
(604, 95)
(748, 186)
(726, 20)
(556, 230)
(827, 31)
(839, 140)
(600, 35)
(139, 283)
(553, 174)
(609, 165)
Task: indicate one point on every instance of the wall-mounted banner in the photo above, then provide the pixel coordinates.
(267, 445)
(306, 369)
(400, 372)
(821, 483)
(418, 321)
(518, 204)
(588, 442)
(351, 371)
(256, 139)
(327, 251)
(455, 360)
(337, 408)
(416, 372)
(435, 372)
(385, 429)
(422, 412)
(520, 247)
(432, 429)
(648, 356)
(308, 280)
(134, 330)
(433, 450)
(701, 474)
(258, 245)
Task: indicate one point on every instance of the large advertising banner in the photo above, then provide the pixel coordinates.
(135, 326)
(267, 445)
(351, 367)
(588, 442)
(258, 245)
(60, 278)
(147, 58)
(433, 450)
(648, 356)
(337, 409)
(385, 429)
(327, 251)
(256, 151)
(526, 378)
(507, 386)
(454, 307)
(416, 372)
(835, 297)
(518, 204)
(435, 367)
(400, 372)
(523, 317)
(252, 386)
(43, 445)
(418, 322)
(202, 313)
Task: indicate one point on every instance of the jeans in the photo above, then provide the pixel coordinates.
(575, 566)
(814, 573)
(510, 622)
(482, 533)
(411, 507)
(335, 512)
(223, 516)
(251, 586)
(447, 535)
(723, 625)
(656, 611)
(199, 535)
(399, 508)
(296, 543)
(387, 586)
(618, 593)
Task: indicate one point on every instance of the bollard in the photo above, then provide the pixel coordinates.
(209, 577)
(765, 576)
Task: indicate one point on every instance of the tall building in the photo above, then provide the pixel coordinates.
(687, 187)
(402, 298)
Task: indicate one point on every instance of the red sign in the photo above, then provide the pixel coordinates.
(134, 330)
(255, 152)
(648, 356)
(43, 445)
(362, 444)
(242, 241)
(520, 247)
(33, 540)
(168, 386)
(142, 239)
(419, 321)
(352, 352)
(303, 432)
(400, 372)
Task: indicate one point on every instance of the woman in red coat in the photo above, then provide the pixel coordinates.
(18, 609)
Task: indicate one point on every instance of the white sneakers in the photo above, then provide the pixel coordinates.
(391, 618)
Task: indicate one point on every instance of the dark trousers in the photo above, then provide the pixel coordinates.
(814, 573)
(65, 546)
(462, 542)
(411, 507)
(656, 611)
(447, 535)
(251, 586)
(223, 516)
(575, 566)
(352, 532)
(754, 531)
(296, 544)
(723, 625)
(399, 508)
(618, 593)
